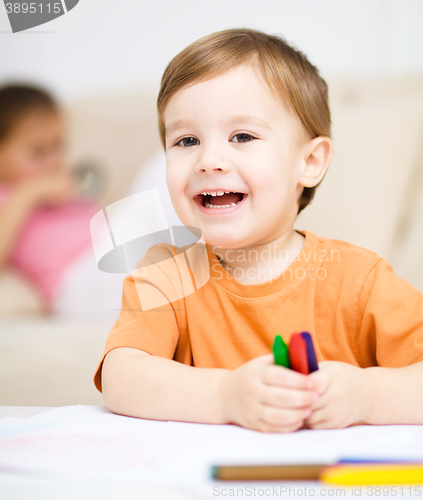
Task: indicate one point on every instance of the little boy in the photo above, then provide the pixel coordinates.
(245, 122)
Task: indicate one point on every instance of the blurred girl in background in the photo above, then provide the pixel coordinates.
(44, 222)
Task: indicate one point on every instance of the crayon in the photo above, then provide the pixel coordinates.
(298, 354)
(353, 475)
(311, 355)
(280, 352)
(373, 474)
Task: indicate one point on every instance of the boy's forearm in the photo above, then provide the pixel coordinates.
(141, 385)
(397, 395)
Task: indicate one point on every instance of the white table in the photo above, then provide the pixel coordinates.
(23, 486)
(23, 411)
(88, 452)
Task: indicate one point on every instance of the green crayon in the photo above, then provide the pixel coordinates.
(280, 352)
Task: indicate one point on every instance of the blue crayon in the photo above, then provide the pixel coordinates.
(311, 355)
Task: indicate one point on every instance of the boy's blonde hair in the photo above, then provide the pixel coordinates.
(287, 72)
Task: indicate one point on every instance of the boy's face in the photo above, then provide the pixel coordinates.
(33, 146)
(216, 150)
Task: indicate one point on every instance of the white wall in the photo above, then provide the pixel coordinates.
(108, 44)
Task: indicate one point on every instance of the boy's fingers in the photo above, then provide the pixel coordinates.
(320, 403)
(281, 376)
(321, 381)
(283, 416)
(266, 427)
(285, 397)
(317, 419)
(267, 359)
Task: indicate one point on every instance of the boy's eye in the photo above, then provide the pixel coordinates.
(185, 141)
(243, 135)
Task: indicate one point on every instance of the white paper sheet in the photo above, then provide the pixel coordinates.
(90, 443)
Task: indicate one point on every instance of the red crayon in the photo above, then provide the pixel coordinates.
(298, 354)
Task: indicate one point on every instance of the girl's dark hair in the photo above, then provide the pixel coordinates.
(17, 101)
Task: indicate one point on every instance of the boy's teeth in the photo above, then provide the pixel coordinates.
(216, 193)
(209, 205)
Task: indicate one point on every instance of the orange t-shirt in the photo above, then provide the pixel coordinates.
(350, 300)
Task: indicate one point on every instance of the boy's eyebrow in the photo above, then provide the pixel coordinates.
(176, 125)
(252, 120)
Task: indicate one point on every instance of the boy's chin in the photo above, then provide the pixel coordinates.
(218, 241)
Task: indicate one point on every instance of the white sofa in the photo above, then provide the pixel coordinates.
(372, 196)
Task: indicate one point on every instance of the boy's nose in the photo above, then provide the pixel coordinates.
(212, 161)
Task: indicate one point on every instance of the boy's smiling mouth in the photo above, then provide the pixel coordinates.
(219, 200)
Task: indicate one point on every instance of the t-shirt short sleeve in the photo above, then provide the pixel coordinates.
(155, 330)
(389, 320)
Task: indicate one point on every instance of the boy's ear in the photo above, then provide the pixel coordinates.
(316, 161)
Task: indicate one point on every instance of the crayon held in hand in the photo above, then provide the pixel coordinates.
(280, 352)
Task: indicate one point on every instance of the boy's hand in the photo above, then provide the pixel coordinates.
(266, 397)
(344, 396)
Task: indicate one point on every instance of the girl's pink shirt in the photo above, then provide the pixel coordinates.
(49, 240)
